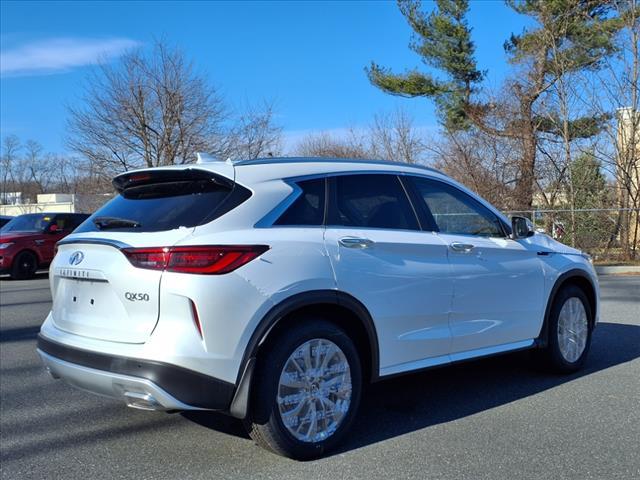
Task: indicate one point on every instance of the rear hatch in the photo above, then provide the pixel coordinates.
(97, 292)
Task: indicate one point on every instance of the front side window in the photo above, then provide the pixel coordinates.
(455, 212)
(372, 201)
(308, 208)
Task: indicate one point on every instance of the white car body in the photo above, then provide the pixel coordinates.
(428, 304)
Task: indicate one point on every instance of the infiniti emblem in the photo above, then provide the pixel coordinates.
(76, 258)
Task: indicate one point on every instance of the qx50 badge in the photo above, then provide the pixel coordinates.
(76, 258)
(136, 297)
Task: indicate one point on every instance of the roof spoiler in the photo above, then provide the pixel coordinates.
(208, 158)
(220, 171)
(140, 178)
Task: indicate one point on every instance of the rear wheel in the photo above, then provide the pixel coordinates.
(307, 390)
(570, 326)
(24, 266)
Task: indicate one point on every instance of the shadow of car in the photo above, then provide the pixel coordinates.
(413, 402)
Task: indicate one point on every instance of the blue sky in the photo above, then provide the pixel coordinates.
(308, 57)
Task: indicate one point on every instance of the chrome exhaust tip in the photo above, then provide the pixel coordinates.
(142, 401)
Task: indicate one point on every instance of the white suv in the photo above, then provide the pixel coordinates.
(274, 290)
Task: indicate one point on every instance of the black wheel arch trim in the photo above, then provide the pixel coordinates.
(240, 403)
(543, 338)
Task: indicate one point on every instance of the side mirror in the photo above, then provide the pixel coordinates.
(521, 227)
(53, 228)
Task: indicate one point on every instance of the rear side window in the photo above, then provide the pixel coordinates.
(308, 208)
(373, 201)
(68, 222)
(455, 212)
(63, 222)
(166, 206)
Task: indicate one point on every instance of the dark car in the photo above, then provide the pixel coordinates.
(27, 242)
(4, 219)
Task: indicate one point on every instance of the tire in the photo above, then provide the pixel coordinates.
(270, 392)
(24, 266)
(560, 355)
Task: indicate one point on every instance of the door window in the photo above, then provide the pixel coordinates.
(373, 201)
(62, 222)
(455, 212)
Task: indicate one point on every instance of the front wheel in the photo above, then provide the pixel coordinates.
(307, 390)
(570, 326)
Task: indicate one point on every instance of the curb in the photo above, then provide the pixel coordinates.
(614, 270)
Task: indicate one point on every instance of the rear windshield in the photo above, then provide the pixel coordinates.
(165, 206)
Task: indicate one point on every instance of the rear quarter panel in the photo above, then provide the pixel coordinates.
(231, 306)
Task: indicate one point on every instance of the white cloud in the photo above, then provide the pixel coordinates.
(55, 55)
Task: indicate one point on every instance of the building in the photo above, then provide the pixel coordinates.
(58, 202)
(628, 176)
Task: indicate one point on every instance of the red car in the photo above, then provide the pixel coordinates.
(27, 242)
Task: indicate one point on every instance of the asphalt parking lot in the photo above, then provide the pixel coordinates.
(495, 418)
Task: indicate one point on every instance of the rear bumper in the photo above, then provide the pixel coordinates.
(140, 383)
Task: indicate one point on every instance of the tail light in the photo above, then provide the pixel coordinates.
(208, 260)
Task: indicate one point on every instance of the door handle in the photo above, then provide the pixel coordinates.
(354, 242)
(461, 247)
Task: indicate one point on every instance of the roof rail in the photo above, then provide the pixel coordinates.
(269, 160)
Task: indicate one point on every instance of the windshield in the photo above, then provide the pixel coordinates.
(32, 222)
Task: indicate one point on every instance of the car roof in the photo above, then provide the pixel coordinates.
(287, 167)
(264, 169)
(274, 168)
(50, 214)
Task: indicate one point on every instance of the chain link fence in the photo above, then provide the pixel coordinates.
(609, 235)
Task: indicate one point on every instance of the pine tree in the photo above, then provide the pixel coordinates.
(443, 40)
(589, 188)
(567, 36)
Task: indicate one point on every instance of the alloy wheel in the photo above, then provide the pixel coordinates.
(314, 390)
(573, 329)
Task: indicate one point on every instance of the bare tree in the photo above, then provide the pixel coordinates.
(10, 151)
(25, 169)
(390, 136)
(151, 109)
(255, 134)
(486, 164)
(394, 137)
(333, 146)
(28, 170)
(38, 169)
(615, 91)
